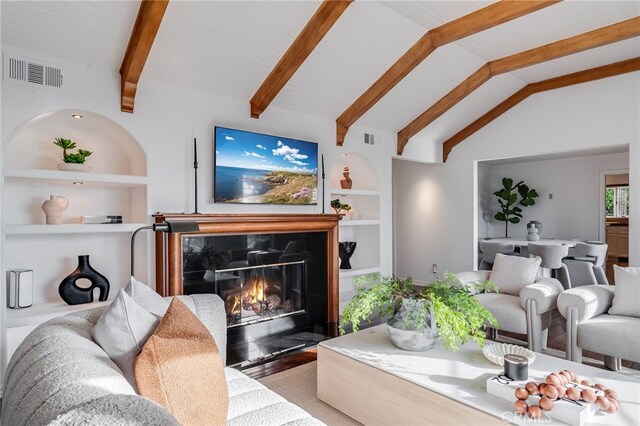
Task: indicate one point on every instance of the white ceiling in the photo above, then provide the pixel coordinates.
(229, 47)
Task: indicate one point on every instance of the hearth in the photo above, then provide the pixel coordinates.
(278, 287)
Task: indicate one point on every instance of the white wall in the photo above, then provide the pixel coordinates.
(574, 210)
(166, 119)
(436, 211)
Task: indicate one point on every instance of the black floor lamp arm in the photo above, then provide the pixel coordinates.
(133, 240)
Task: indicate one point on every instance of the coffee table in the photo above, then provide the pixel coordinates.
(366, 377)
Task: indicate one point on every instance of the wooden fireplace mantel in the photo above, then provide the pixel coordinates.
(169, 247)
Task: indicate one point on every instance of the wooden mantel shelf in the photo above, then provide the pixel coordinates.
(169, 245)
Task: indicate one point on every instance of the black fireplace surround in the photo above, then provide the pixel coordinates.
(274, 287)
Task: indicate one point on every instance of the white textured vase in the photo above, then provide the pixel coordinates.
(53, 209)
(402, 333)
(74, 167)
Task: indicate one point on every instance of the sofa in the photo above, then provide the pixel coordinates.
(60, 376)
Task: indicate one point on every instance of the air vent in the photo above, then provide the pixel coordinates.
(369, 139)
(21, 70)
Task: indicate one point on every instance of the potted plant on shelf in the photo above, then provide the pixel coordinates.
(339, 207)
(73, 161)
(443, 308)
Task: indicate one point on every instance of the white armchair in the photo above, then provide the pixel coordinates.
(591, 327)
(527, 313)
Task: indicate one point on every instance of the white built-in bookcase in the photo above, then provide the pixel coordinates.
(116, 185)
(362, 224)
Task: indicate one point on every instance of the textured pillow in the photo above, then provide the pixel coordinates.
(181, 369)
(146, 297)
(122, 330)
(511, 273)
(626, 299)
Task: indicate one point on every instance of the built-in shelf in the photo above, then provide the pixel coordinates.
(71, 228)
(59, 177)
(41, 312)
(365, 222)
(355, 192)
(359, 271)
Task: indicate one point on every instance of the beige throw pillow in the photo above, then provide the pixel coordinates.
(512, 273)
(626, 298)
(181, 369)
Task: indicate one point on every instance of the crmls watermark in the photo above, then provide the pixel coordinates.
(511, 417)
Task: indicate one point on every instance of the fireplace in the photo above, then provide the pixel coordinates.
(277, 276)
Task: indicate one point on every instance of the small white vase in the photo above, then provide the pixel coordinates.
(53, 209)
(74, 167)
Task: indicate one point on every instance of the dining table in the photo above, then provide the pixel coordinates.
(523, 242)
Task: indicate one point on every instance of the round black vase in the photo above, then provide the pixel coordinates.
(74, 295)
(346, 250)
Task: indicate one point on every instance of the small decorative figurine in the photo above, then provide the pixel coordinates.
(346, 182)
(532, 234)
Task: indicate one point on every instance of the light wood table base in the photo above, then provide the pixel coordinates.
(374, 397)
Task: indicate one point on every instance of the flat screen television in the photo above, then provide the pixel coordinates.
(254, 168)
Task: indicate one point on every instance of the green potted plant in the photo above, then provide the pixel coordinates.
(443, 308)
(510, 211)
(73, 161)
(339, 207)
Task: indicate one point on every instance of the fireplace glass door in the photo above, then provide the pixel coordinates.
(274, 288)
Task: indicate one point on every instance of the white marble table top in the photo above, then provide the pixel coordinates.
(462, 375)
(520, 242)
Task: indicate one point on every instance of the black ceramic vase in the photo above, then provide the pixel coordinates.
(74, 295)
(346, 251)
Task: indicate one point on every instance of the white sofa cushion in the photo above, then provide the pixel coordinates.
(122, 330)
(146, 297)
(626, 299)
(511, 273)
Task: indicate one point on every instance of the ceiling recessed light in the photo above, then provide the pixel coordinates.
(78, 183)
(78, 116)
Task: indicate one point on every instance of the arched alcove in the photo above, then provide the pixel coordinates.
(114, 149)
(362, 172)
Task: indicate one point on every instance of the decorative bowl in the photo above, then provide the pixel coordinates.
(496, 351)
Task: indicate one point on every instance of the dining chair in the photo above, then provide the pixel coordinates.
(586, 265)
(551, 264)
(490, 249)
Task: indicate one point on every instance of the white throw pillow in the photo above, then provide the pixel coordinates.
(122, 330)
(626, 298)
(146, 297)
(512, 273)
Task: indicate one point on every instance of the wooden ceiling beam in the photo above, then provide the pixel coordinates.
(592, 74)
(144, 33)
(589, 40)
(313, 32)
(473, 23)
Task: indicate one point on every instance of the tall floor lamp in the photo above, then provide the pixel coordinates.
(169, 226)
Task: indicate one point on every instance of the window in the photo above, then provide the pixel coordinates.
(617, 201)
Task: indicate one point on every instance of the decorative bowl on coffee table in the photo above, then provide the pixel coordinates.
(495, 352)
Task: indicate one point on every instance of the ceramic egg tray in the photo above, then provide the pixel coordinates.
(575, 413)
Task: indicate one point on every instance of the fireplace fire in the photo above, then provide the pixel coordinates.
(257, 298)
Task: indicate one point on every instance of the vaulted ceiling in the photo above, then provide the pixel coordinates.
(230, 47)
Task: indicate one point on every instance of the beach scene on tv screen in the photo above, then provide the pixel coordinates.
(264, 169)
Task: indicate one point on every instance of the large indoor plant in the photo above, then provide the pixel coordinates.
(458, 315)
(510, 210)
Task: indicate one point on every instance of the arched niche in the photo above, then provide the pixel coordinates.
(361, 171)
(115, 150)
